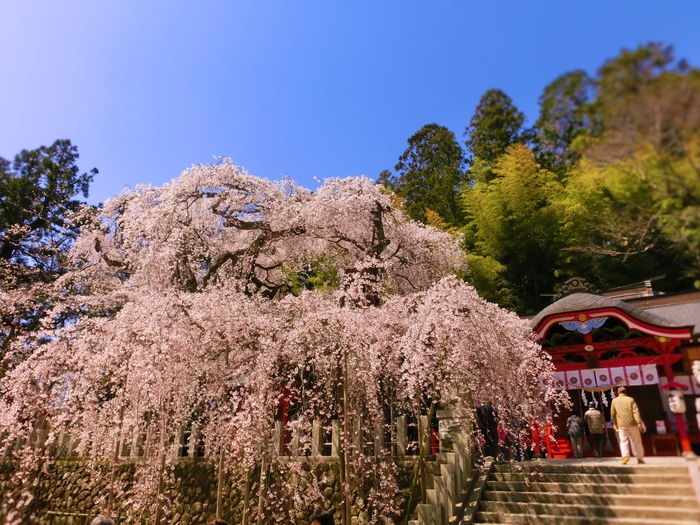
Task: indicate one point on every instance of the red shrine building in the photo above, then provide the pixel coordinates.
(634, 338)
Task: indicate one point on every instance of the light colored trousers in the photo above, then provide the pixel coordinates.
(631, 436)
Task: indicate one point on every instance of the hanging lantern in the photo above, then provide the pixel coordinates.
(676, 401)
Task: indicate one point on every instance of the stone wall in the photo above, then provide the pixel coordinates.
(72, 492)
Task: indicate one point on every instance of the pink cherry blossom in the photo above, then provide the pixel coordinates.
(181, 309)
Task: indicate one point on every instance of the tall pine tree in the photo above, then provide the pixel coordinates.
(496, 125)
(430, 175)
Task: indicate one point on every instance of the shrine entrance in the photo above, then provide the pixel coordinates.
(600, 343)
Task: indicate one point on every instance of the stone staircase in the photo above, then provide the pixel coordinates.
(449, 479)
(588, 492)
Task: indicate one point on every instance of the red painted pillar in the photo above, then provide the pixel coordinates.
(683, 434)
(535, 433)
(667, 368)
(549, 440)
(682, 429)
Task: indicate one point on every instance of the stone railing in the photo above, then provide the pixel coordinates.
(446, 500)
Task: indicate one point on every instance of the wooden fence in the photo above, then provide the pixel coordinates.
(398, 439)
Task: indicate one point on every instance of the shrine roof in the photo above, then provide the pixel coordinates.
(579, 302)
(687, 314)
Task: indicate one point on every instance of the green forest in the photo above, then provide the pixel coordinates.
(605, 185)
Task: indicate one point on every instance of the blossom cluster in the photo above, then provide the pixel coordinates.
(207, 302)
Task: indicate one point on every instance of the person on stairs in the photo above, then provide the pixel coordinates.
(574, 428)
(627, 423)
(502, 443)
(487, 420)
(594, 422)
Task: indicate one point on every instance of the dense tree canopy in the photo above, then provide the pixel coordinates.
(37, 193)
(512, 221)
(430, 174)
(496, 124)
(620, 152)
(646, 161)
(37, 228)
(565, 114)
(631, 71)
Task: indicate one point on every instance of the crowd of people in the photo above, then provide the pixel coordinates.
(496, 435)
(626, 420)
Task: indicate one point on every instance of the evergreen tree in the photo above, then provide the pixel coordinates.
(565, 114)
(37, 193)
(430, 175)
(37, 227)
(496, 124)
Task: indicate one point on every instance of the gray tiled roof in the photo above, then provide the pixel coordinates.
(585, 301)
(687, 314)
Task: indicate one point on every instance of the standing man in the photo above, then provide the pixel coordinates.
(594, 421)
(487, 419)
(574, 428)
(628, 423)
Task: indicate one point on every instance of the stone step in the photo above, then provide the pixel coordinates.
(531, 519)
(576, 477)
(593, 468)
(592, 488)
(624, 500)
(590, 511)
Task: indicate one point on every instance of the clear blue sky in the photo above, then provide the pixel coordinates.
(311, 89)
